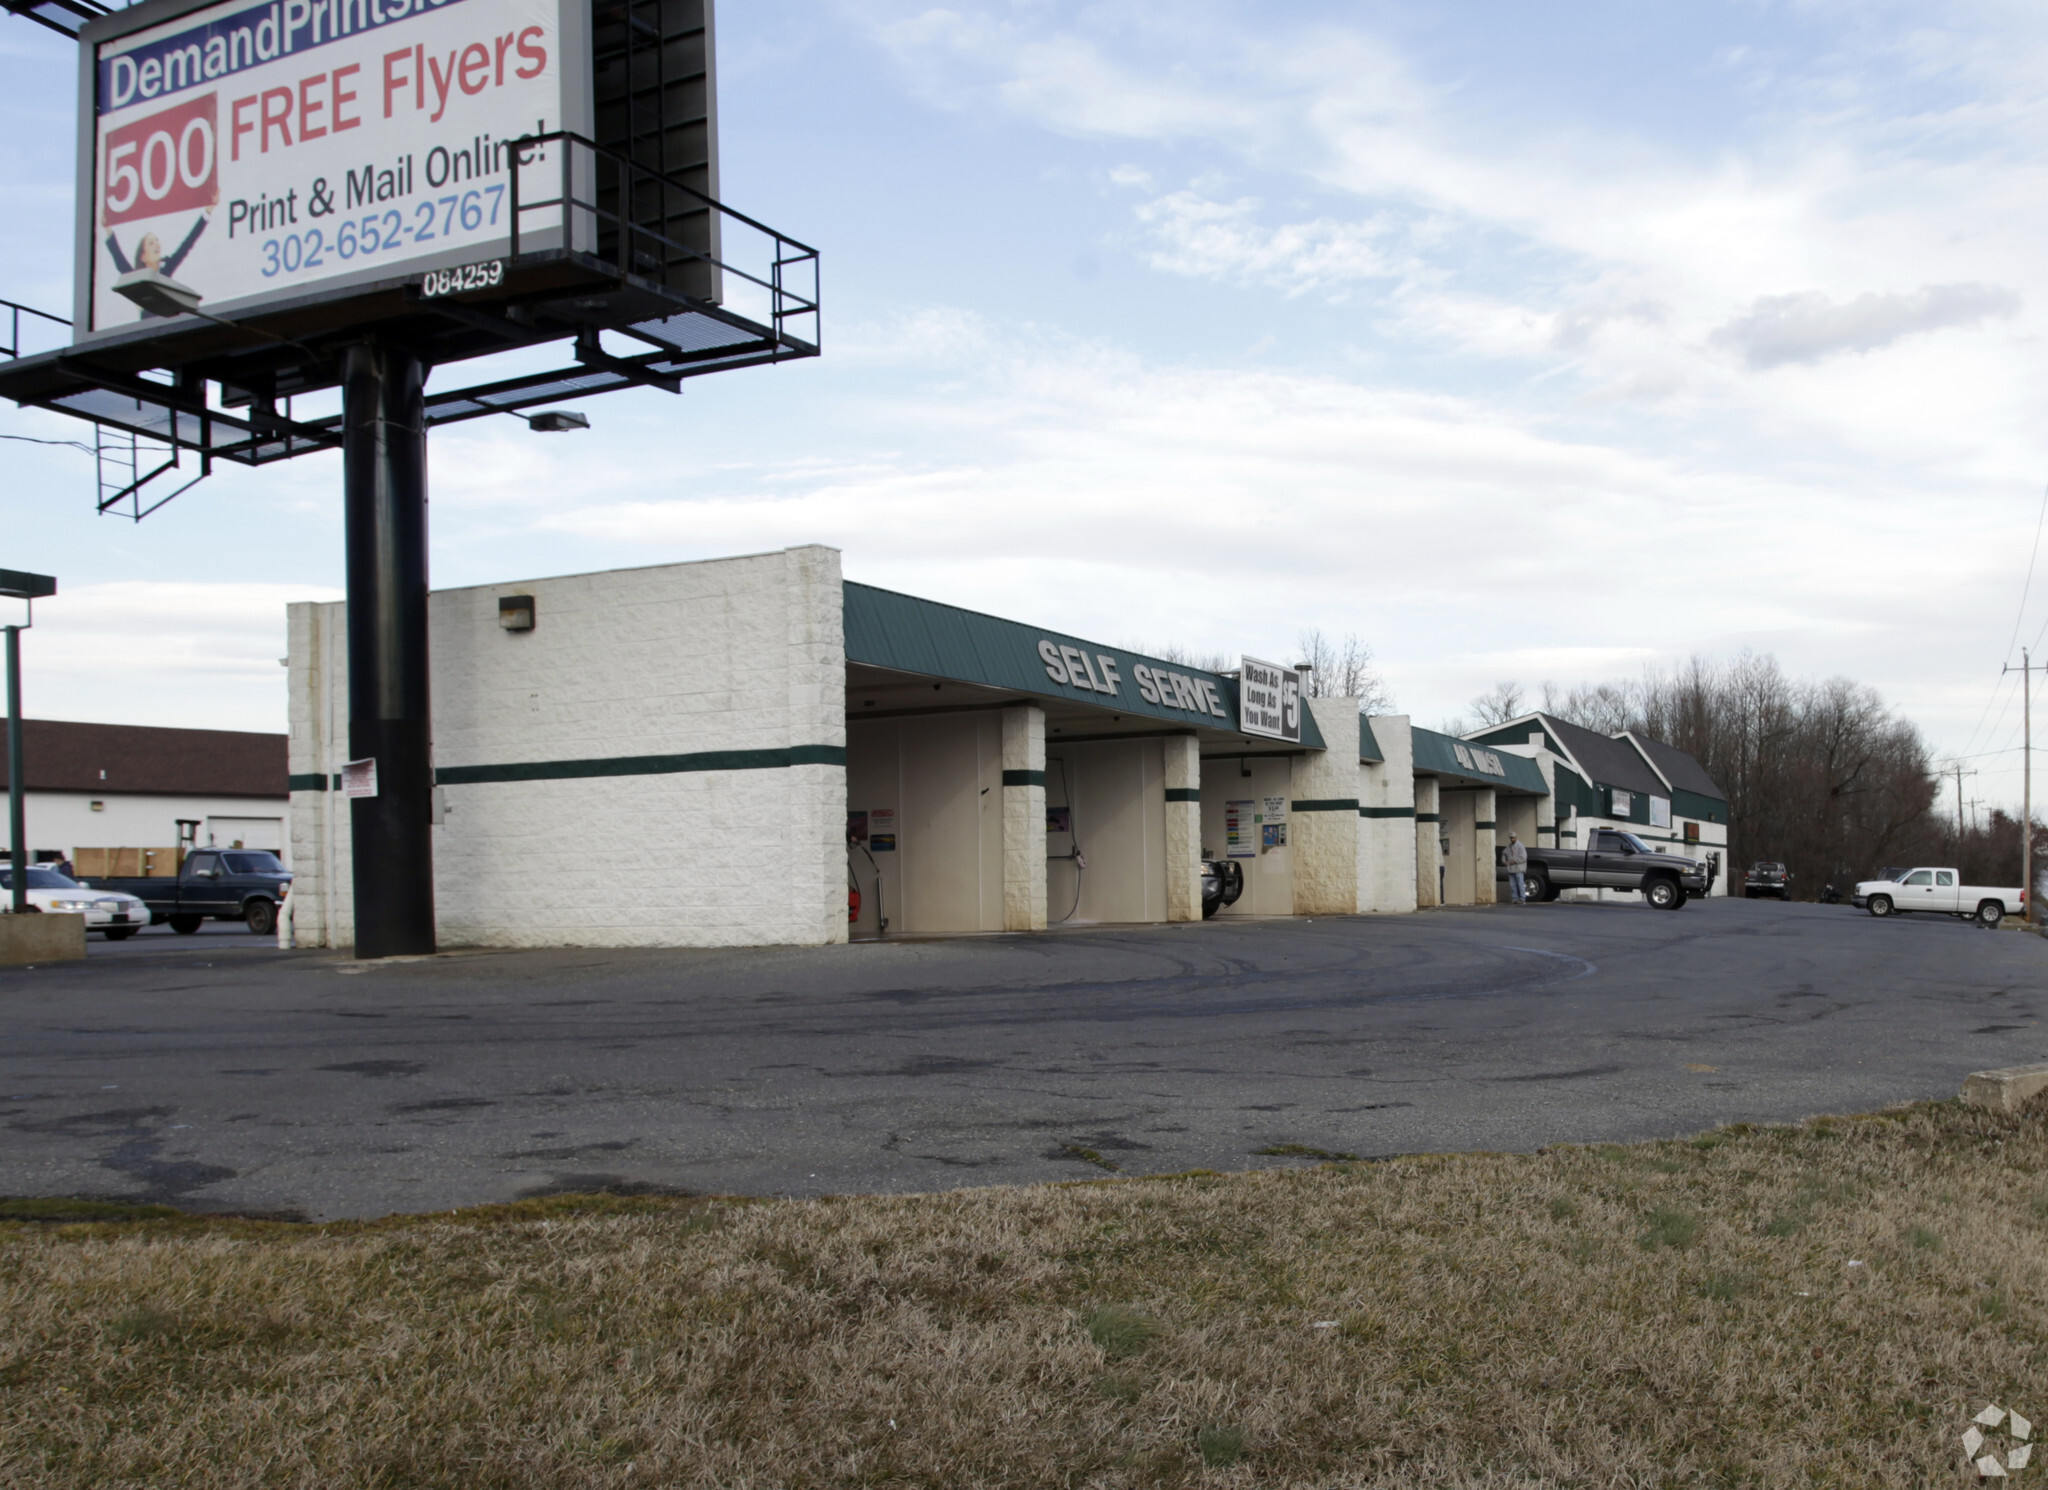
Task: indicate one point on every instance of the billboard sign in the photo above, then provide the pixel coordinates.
(259, 150)
(1269, 701)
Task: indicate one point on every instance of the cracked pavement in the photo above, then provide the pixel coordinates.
(217, 1073)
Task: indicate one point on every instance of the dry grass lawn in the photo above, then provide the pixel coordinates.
(1823, 1304)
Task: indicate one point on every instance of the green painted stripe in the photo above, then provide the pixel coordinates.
(1386, 812)
(1327, 804)
(313, 782)
(1484, 827)
(1023, 778)
(646, 765)
(1183, 794)
(1428, 817)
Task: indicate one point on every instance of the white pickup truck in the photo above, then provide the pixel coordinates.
(1939, 890)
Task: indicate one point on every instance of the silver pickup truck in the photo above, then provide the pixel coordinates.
(1612, 860)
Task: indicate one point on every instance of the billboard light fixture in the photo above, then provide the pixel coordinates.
(157, 293)
(557, 421)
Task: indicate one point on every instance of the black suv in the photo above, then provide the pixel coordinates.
(1767, 879)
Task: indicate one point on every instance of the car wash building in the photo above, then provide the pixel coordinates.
(755, 751)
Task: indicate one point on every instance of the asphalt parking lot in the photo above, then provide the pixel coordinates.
(218, 1073)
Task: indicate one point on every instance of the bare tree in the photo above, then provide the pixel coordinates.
(1183, 656)
(1605, 707)
(1819, 775)
(1344, 670)
(1500, 705)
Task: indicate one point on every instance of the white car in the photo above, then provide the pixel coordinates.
(1942, 890)
(119, 916)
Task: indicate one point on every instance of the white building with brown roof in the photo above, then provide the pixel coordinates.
(105, 786)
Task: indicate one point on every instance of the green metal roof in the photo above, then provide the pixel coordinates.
(1441, 755)
(1368, 743)
(906, 634)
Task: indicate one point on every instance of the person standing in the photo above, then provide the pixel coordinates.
(1517, 860)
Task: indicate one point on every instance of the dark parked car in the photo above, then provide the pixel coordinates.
(230, 884)
(1766, 879)
(1222, 883)
(1613, 860)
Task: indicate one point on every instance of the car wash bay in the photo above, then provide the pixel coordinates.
(1467, 801)
(1002, 777)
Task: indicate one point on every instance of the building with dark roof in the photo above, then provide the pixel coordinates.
(129, 786)
(1628, 781)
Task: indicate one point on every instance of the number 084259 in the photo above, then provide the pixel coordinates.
(453, 281)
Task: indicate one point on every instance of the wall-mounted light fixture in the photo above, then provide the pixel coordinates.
(515, 612)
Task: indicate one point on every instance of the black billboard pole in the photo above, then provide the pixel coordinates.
(384, 478)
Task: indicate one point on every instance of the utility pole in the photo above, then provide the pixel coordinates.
(1959, 773)
(28, 588)
(2026, 672)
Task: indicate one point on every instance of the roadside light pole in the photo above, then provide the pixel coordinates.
(28, 588)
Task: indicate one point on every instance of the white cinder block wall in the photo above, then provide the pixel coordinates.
(1386, 820)
(659, 762)
(321, 905)
(1323, 821)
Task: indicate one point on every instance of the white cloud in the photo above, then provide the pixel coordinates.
(1809, 326)
(1226, 507)
(196, 655)
(1194, 235)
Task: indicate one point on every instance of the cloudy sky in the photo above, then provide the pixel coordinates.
(1531, 342)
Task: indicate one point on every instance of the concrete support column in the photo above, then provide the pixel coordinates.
(1386, 819)
(1024, 818)
(1183, 828)
(1546, 805)
(1428, 857)
(1483, 835)
(1322, 817)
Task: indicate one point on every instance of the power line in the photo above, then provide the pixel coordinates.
(32, 440)
(2026, 591)
(2027, 588)
(1997, 687)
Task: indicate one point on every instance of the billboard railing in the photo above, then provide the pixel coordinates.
(596, 243)
(651, 228)
(48, 333)
(126, 458)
